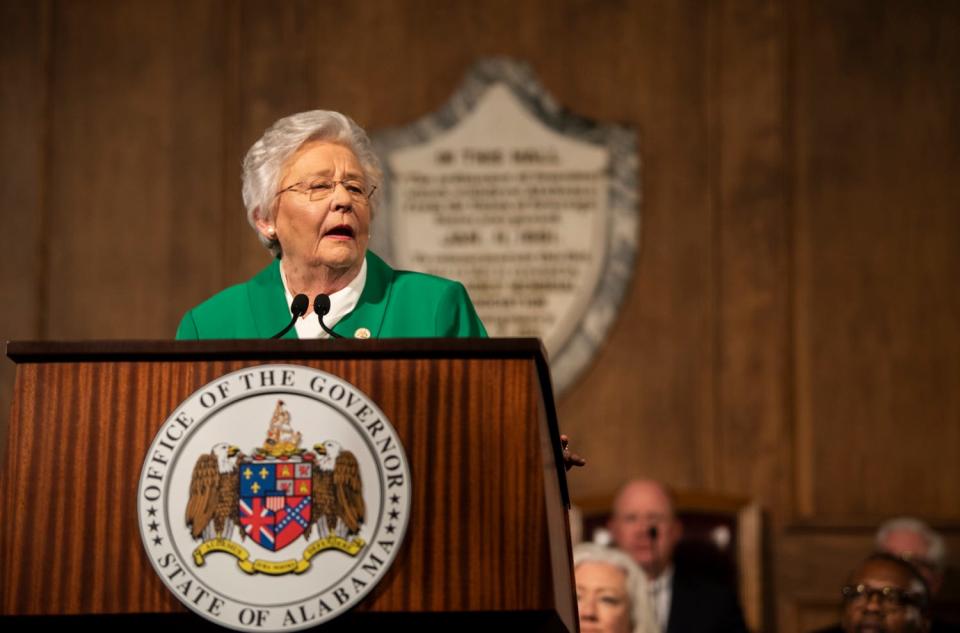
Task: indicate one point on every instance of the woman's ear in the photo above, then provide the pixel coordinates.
(265, 226)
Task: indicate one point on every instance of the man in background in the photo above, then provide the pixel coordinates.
(914, 541)
(884, 594)
(645, 526)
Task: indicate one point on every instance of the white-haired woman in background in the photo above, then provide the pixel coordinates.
(309, 187)
(612, 595)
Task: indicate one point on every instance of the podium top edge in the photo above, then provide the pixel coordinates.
(255, 349)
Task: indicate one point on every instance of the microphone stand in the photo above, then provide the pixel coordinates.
(321, 305)
(298, 307)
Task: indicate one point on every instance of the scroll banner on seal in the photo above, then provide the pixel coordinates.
(296, 566)
(535, 210)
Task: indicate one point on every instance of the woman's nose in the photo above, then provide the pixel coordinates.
(341, 199)
(588, 609)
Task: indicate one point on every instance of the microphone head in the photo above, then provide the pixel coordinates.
(653, 532)
(321, 305)
(298, 307)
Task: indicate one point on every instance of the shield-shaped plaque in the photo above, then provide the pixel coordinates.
(534, 209)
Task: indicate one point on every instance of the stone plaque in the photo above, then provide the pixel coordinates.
(534, 209)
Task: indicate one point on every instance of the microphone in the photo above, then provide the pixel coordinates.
(298, 307)
(321, 305)
(652, 533)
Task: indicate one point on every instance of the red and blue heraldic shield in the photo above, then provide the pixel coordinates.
(275, 501)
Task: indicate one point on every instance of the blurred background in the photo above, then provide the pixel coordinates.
(792, 332)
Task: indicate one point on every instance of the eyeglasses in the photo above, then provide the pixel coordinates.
(319, 189)
(890, 598)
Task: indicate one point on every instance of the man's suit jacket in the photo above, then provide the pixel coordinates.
(703, 605)
(936, 626)
(393, 304)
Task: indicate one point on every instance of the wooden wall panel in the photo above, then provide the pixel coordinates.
(752, 263)
(877, 132)
(24, 51)
(652, 379)
(874, 120)
(273, 73)
(136, 133)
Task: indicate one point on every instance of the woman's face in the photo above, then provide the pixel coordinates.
(332, 231)
(602, 598)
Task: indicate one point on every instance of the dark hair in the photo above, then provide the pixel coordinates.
(918, 588)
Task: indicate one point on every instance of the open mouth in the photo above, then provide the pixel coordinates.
(341, 231)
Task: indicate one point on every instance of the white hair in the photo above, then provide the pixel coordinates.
(936, 548)
(263, 164)
(642, 617)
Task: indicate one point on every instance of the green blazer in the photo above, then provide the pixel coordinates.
(393, 304)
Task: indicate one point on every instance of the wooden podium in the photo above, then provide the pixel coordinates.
(487, 543)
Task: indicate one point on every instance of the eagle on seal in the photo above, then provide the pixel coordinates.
(214, 493)
(338, 507)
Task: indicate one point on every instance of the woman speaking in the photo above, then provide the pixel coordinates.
(308, 186)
